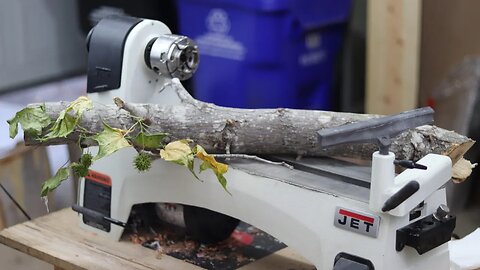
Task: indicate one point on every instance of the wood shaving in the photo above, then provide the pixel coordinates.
(462, 170)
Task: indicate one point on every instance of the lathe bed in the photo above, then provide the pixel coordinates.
(326, 175)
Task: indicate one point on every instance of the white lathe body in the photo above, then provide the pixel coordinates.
(329, 211)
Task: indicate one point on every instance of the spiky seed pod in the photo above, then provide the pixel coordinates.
(142, 162)
(86, 160)
(79, 169)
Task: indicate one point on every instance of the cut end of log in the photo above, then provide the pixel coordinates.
(456, 153)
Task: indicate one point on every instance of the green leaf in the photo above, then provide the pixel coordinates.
(190, 167)
(52, 183)
(223, 181)
(32, 119)
(64, 125)
(149, 141)
(204, 166)
(179, 152)
(209, 162)
(13, 127)
(109, 141)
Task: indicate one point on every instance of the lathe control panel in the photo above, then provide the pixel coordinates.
(97, 196)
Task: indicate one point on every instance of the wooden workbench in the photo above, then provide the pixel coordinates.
(58, 240)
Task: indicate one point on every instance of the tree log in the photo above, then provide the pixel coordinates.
(258, 131)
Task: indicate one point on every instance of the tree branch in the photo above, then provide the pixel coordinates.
(234, 131)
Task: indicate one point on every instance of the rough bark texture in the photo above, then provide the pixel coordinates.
(261, 131)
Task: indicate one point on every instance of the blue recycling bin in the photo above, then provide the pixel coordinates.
(265, 53)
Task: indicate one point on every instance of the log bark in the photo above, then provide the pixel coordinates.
(259, 131)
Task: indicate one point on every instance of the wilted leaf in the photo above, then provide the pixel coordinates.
(32, 120)
(179, 152)
(52, 183)
(80, 105)
(209, 162)
(109, 141)
(149, 141)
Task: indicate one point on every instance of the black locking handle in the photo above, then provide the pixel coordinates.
(97, 216)
(400, 196)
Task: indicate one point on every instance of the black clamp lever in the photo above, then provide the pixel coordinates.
(401, 195)
(409, 164)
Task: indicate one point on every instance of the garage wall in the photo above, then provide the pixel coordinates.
(449, 34)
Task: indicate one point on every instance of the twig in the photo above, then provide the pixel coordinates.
(182, 94)
(227, 156)
(135, 111)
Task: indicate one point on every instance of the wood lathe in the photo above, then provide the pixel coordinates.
(335, 214)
